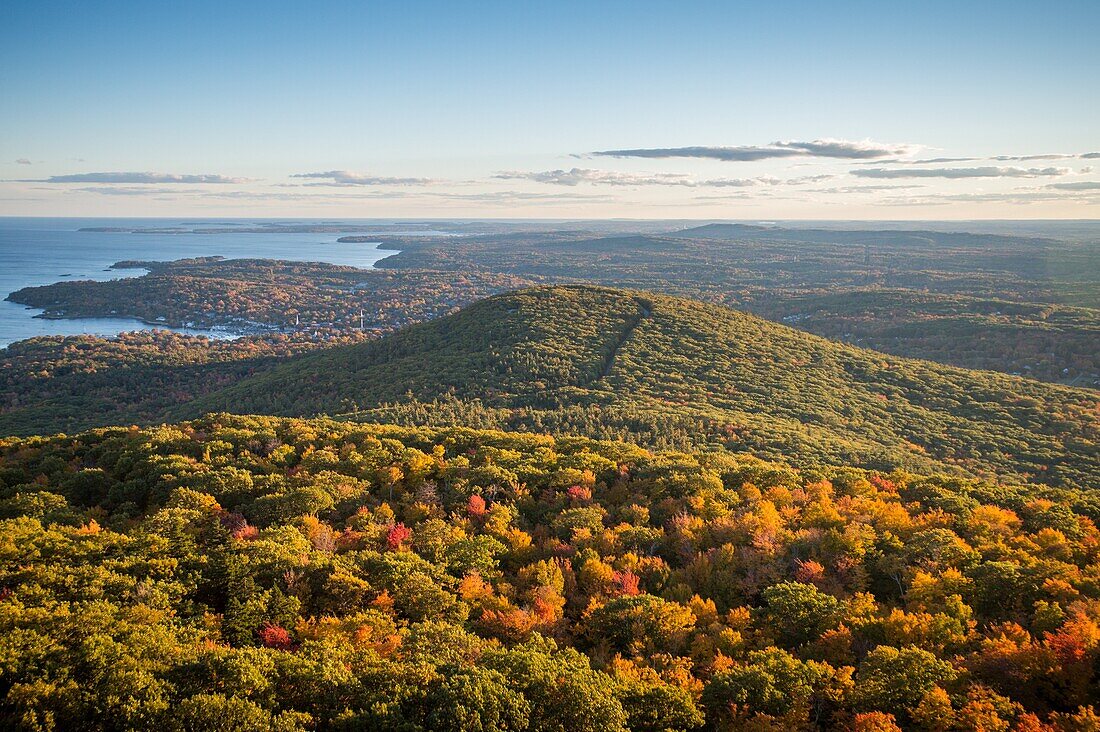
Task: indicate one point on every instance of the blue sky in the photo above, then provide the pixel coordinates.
(494, 109)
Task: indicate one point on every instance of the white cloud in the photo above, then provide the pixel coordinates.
(138, 178)
(129, 190)
(489, 196)
(846, 149)
(576, 176)
(808, 179)
(1024, 196)
(978, 172)
(1025, 158)
(924, 161)
(864, 189)
(591, 176)
(505, 196)
(349, 178)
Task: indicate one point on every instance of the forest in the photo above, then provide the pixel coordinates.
(561, 366)
(1049, 342)
(267, 295)
(289, 574)
(612, 364)
(69, 384)
(670, 372)
(1005, 303)
(566, 506)
(1018, 305)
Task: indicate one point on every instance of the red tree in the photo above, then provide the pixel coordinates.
(475, 507)
(626, 583)
(275, 636)
(397, 536)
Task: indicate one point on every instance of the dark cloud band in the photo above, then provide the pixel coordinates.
(839, 149)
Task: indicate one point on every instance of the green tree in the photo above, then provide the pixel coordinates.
(771, 682)
(565, 693)
(640, 625)
(895, 680)
(798, 613)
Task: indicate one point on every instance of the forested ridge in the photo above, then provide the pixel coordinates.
(1015, 304)
(1047, 341)
(688, 374)
(1007, 303)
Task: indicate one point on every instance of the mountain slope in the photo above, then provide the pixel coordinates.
(619, 363)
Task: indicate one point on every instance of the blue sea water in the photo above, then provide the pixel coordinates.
(40, 251)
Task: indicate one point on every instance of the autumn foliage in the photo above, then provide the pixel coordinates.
(313, 575)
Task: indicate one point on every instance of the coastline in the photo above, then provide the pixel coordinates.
(76, 249)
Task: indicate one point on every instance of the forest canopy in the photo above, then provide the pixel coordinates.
(672, 372)
(260, 573)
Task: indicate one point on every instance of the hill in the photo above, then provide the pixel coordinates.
(1020, 305)
(855, 237)
(1049, 342)
(779, 273)
(673, 372)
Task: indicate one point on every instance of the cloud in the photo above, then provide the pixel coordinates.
(978, 172)
(128, 191)
(137, 178)
(925, 161)
(997, 158)
(348, 178)
(845, 149)
(863, 189)
(739, 182)
(489, 196)
(590, 176)
(316, 197)
(576, 176)
(1025, 158)
(934, 161)
(726, 197)
(1022, 196)
(22, 161)
(808, 179)
(827, 148)
(1084, 185)
(505, 196)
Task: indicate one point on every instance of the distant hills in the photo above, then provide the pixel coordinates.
(1018, 305)
(675, 372)
(845, 236)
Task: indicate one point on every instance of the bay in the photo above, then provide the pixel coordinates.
(41, 251)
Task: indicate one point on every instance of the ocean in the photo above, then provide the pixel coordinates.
(40, 251)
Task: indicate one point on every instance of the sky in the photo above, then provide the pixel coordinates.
(724, 110)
